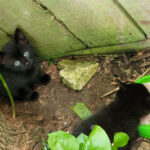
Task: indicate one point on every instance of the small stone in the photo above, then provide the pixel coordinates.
(76, 74)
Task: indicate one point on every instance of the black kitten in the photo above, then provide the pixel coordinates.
(122, 115)
(20, 68)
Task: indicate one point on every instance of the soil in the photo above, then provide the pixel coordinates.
(50, 112)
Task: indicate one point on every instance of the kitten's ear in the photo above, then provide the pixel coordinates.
(20, 37)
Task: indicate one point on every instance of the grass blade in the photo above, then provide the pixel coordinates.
(9, 95)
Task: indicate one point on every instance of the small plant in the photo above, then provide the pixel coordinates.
(97, 140)
(51, 61)
(9, 95)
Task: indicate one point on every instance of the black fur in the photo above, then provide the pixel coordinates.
(122, 115)
(20, 68)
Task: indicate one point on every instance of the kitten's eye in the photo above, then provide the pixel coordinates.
(26, 54)
(17, 63)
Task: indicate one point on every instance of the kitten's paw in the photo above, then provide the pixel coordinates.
(34, 96)
(45, 79)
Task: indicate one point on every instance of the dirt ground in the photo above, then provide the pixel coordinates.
(50, 112)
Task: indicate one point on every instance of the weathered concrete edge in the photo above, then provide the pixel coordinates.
(136, 46)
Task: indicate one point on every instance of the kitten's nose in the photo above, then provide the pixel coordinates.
(26, 63)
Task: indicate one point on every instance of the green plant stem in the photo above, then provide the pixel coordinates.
(9, 95)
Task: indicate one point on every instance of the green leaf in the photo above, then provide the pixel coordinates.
(61, 140)
(120, 140)
(45, 146)
(9, 95)
(81, 110)
(82, 138)
(144, 79)
(98, 140)
(51, 61)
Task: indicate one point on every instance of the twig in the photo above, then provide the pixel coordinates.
(143, 56)
(126, 60)
(110, 92)
(117, 88)
(145, 64)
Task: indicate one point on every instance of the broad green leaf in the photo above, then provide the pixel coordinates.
(81, 110)
(144, 130)
(120, 140)
(98, 140)
(82, 138)
(61, 140)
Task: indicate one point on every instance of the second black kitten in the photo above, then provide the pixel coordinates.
(20, 68)
(122, 115)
